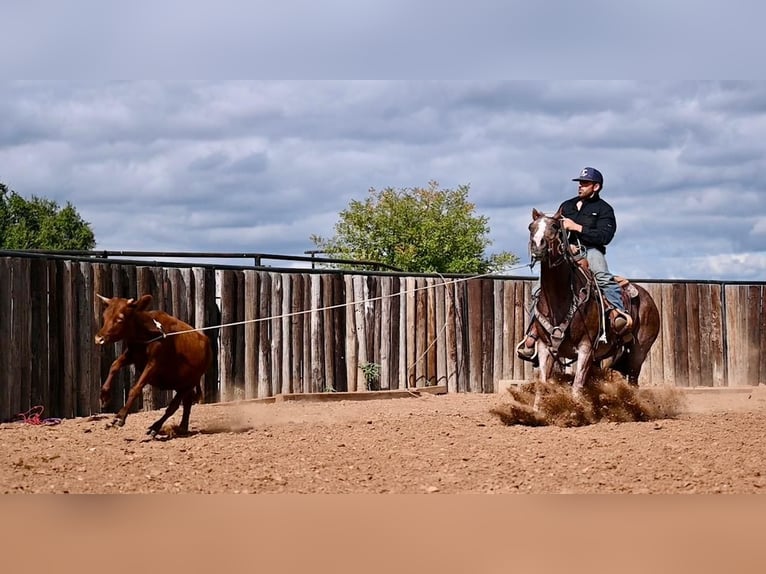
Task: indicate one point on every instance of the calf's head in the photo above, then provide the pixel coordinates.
(124, 319)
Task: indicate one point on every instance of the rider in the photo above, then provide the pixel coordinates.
(590, 222)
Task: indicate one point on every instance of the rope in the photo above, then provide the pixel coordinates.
(33, 417)
(444, 283)
(339, 306)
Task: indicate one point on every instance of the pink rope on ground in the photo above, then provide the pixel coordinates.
(33, 417)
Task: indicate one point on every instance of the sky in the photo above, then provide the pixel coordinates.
(262, 165)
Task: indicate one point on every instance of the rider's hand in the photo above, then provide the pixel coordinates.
(570, 225)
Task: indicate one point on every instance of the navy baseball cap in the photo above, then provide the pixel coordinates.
(590, 174)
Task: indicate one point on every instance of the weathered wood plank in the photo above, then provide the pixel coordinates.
(228, 279)
(395, 338)
(705, 327)
(351, 340)
(441, 341)
(681, 355)
(421, 332)
(69, 335)
(430, 349)
(462, 350)
(306, 349)
(22, 336)
(40, 388)
(7, 383)
(252, 293)
(264, 339)
(385, 332)
(296, 325)
(693, 321)
(360, 297)
(276, 333)
(718, 337)
(56, 344)
(410, 322)
(328, 337)
(318, 383)
(735, 330)
(207, 317)
(762, 338)
(338, 319)
(373, 324)
(475, 348)
(451, 338)
(286, 364)
(668, 334)
(520, 313)
(487, 337)
(653, 372)
(752, 314)
(507, 331)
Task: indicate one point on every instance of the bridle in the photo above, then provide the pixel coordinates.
(558, 251)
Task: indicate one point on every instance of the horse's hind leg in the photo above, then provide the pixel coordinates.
(636, 359)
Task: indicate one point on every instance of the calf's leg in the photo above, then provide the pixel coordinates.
(189, 399)
(106, 388)
(143, 380)
(171, 408)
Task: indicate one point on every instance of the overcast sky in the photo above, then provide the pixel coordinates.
(260, 166)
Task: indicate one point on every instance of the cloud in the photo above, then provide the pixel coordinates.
(263, 165)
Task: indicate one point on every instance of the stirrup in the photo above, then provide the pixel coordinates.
(526, 353)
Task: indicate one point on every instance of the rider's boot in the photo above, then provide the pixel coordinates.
(621, 321)
(527, 348)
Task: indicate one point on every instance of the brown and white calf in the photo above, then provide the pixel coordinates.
(168, 362)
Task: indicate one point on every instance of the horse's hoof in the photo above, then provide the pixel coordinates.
(115, 423)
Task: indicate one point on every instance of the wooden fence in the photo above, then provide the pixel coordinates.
(313, 331)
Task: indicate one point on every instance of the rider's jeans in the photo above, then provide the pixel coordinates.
(604, 278)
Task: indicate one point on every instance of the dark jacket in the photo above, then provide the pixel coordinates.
(597, 219)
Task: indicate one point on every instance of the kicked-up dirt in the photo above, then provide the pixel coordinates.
(700, 442)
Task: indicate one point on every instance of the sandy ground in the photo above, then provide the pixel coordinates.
(428, 444)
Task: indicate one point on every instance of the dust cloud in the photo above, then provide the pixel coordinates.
(606, 398)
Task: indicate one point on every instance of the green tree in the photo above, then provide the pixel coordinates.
(421, 230)
(40, 223)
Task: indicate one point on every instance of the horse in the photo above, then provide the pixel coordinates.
(570, 314)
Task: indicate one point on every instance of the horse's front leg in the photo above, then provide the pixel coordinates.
(582, 369)
(545, 358)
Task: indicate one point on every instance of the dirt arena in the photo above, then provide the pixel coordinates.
(427, 444)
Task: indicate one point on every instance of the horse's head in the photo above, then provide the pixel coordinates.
(546, 237)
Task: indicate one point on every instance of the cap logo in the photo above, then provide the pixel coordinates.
(584, 172)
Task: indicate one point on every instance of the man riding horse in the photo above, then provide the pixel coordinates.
(591, 225)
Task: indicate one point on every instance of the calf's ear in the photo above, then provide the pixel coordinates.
(144, 302)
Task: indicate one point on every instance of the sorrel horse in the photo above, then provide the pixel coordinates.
(570, 313)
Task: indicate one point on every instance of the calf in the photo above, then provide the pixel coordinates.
(166, 361)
